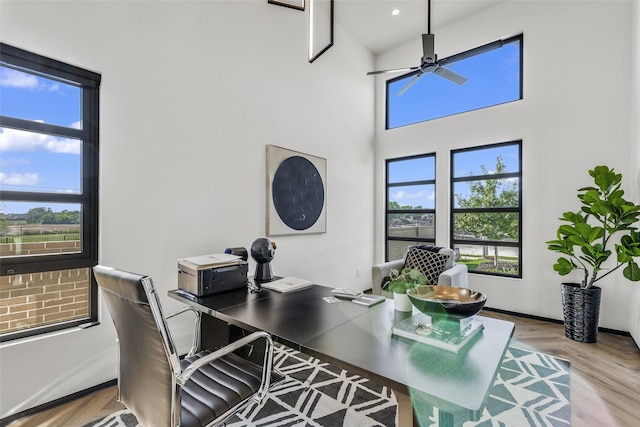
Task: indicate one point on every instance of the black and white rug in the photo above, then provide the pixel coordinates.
(531, 389)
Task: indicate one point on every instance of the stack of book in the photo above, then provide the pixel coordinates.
(420, 328)
(287, 284)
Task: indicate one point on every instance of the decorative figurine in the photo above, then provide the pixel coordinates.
(262, 251)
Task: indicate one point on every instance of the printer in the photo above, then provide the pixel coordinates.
(204, 280)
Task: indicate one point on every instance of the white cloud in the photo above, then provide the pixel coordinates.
(18, 140)
(17, 79)
(7, 161)
(398, 195)
(19, 179)
(417, 195)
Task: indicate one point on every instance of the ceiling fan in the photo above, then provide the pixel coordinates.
(430, 62)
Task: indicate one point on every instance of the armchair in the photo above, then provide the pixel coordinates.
(452, 274)
(203, 389)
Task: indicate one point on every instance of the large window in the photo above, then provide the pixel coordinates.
(48, 193)
(410, 213)
(494, 73)
(486, 214)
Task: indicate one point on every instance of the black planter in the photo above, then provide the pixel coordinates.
(581, 308)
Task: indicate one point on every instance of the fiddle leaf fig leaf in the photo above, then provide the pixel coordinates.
(563, 266)
(604, 177)
(591, 196)
(616, 194)
(567, 230)
(632, 272)
(595, 233)
(572, 217)
(587, 188)
(563, 246)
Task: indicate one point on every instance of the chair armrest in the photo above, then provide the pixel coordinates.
(380, 271)
(455, 276)
(182, 378)
(196, 329)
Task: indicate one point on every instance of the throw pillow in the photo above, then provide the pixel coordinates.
(428, 262)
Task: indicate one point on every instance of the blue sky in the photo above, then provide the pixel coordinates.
(37, 162)
(494, 78)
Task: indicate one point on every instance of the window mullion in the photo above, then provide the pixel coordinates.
(39, 127)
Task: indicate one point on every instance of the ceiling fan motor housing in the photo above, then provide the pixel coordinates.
(429, 49)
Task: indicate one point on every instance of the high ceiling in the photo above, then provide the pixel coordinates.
(372, 23)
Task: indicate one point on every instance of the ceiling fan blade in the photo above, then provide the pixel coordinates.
(408, 85)
(396, 70)
(473, 52)
(450, 75)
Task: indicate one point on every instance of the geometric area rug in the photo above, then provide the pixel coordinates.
(530, 389)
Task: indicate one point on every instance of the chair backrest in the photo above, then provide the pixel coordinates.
(450, 260)
(147, 354)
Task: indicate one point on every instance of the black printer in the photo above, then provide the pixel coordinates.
(208, 280)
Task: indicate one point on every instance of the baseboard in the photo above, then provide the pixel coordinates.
(548, 319)
(65, 399)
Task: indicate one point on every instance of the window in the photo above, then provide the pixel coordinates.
(410, 213)
(48, 194)
(495, 77)
(486, 198)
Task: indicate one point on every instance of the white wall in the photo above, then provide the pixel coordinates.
(191, 94)
(634, 318)
(574, 116)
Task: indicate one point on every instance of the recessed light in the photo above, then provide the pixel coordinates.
(395, 12)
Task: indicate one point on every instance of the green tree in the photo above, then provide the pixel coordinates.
(489, 193)
(47, 216)
(3, 221)
(38, 215)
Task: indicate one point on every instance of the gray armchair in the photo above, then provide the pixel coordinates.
(452, 275)
(203, 389)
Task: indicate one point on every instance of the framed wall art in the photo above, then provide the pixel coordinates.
(296, 192)
(293, 4)
(320, 27)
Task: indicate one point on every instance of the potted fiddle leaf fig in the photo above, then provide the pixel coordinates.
(400, 282)
(586, 242)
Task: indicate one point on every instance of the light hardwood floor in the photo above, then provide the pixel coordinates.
(605, 380)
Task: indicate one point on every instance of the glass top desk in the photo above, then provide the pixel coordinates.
(359, 339)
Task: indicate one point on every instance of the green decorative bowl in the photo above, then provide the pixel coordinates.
(446, 302)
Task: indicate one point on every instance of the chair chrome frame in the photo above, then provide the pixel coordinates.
(179, 377)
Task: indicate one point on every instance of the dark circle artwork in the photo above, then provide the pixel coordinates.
(298, 193)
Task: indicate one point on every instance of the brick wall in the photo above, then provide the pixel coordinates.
(39, 248)
(39, 299)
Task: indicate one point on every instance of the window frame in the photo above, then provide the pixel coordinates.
(89, 82)
(388, 211)
(462, 55)
(476, 242)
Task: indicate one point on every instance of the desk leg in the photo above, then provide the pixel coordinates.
(215, 333)
(405, 409)
(407, 416)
